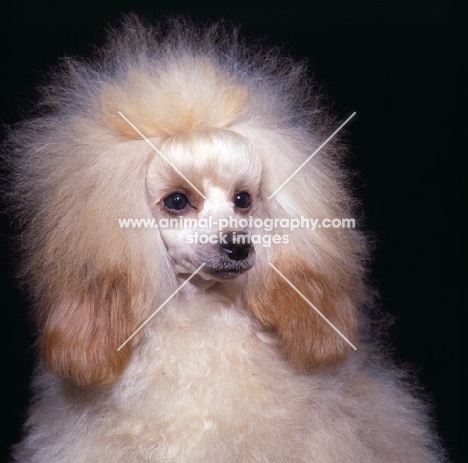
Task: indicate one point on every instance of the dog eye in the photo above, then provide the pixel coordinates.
(242, 200)
(176, 202)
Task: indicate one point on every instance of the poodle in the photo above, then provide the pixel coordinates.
(186, 310)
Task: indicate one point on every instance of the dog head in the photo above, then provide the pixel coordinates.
(184, 127)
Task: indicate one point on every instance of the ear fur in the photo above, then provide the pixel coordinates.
(80, 337)
(305, 337)
(325, 265)
(92, 282)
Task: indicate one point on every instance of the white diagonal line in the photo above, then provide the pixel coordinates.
(312, 155)
(315, 308)
(162, 305)
(162, 155)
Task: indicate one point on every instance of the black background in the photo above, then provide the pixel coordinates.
(402, 68)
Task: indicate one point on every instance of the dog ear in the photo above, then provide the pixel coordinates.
(92, 280)
(81, 333)
(306, 337)
(315, 313)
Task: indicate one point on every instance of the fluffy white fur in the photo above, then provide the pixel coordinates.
(237, 367)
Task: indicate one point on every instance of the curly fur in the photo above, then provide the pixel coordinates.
(235, 368)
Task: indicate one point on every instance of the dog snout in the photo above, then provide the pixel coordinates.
(236, 245)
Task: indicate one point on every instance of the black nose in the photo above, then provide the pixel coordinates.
(236, 245)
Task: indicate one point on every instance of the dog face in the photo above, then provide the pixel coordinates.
(199, 201)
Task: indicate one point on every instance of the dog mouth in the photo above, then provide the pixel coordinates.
(227, 270)
(230, 258)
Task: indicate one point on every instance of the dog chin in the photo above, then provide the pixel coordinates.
(225, 272)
